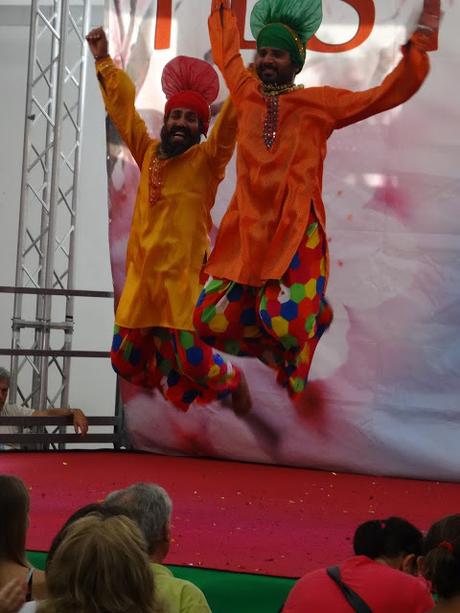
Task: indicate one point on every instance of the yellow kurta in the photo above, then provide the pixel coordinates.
(169, 238)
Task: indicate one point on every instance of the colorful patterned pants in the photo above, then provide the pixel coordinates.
(175, 362)
(279, 323)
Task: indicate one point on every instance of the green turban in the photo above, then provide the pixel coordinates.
(286, 24)
(279, 36)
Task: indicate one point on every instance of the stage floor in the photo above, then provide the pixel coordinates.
(229, 515)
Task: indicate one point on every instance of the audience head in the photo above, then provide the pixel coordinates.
(150, 507)
(101, 566)
(394, 541)
(95, 507)
(441, 564)
(14, 511)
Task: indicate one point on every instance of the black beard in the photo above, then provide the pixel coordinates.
(170, 148)
(260, 70)
(275, 80)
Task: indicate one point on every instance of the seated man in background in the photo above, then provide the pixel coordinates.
(150, 507)
(80, 423)
(377, 578)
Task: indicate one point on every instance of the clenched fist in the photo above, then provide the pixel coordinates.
(98, 43)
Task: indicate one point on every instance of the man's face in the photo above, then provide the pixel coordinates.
(4, 386)
(181, 131)
(275, 66)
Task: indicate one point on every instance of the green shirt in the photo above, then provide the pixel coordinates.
(174, 595)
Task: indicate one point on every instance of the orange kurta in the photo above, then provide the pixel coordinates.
(268, 213)
(168, 239)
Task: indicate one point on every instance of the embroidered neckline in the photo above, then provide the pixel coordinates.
(278, 90)
(156, 168)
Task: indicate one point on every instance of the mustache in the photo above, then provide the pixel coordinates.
(268, 67)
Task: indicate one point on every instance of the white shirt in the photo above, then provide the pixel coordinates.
(12, 410)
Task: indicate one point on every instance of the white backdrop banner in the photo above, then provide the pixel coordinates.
(385, 384)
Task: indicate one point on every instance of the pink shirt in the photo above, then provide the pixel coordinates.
(384, 589)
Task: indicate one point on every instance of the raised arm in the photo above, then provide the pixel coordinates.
(225, 44)
(119, 96)
(347, 107)
(221, 142)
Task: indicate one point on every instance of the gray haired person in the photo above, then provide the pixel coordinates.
(150, 506)
(80, 423)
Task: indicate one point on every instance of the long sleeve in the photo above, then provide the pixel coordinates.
(119, 94)
(225, 45)
(347, 107)
(221, 142)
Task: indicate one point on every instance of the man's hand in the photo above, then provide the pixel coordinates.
(219, 5)
(12, 596)
(431, 14)
(98, 43)
(80, 423)
(428, 25)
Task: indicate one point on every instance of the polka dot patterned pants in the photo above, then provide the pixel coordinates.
(279, 323)
(176, 362)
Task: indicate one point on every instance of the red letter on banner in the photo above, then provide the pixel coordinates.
(239, 7)
(163, 25)
(366, 14)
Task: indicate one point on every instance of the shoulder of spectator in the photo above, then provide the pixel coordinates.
(193, 599)
(15, 410)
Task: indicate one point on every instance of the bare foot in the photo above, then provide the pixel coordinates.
(241, 398)
(312, 401)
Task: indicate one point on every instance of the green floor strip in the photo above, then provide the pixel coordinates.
(226, 592)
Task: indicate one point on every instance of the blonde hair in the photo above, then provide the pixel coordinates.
(101, 566)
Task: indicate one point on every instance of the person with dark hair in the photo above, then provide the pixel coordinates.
(441, 563)
(394, 541)
(378, 578)
(14, 517)
(154, 343)
(268, 271)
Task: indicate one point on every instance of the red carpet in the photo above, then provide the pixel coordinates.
(231, 516)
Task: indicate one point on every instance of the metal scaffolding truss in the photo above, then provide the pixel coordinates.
(48, 205)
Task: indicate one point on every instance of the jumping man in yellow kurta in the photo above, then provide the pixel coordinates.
(154, 342)
(269, 267)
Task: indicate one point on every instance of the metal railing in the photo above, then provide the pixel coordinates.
(38, 437)
(59, 437)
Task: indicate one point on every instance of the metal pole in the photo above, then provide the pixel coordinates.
(54, 193)
(86, 20)
(17, 308)
(41, 363)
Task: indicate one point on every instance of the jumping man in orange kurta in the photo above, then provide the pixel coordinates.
(269, 268)
(154, 343)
